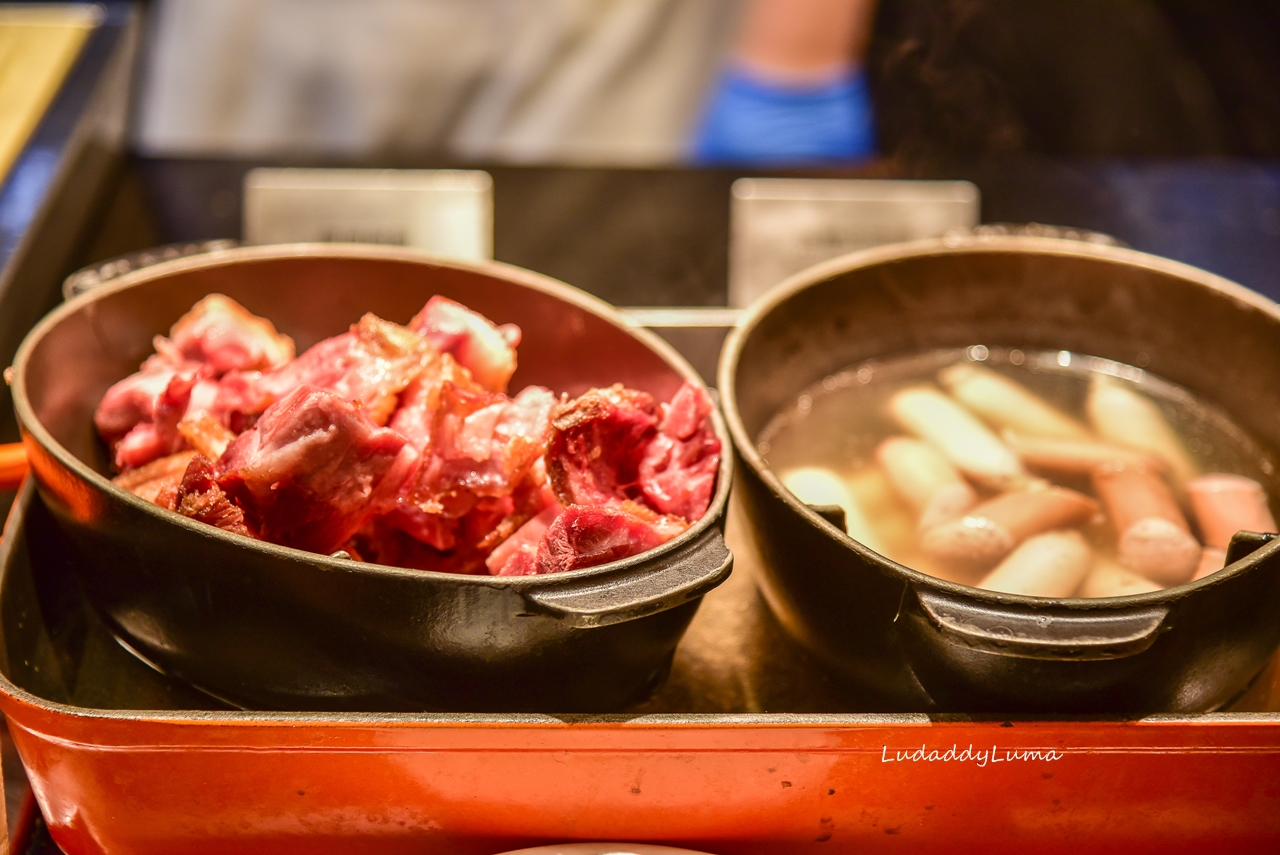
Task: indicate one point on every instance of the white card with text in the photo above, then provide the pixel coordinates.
(445, 211)
(780, 226)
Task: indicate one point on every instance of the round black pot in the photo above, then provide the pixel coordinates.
(272, 627)
(904, 640)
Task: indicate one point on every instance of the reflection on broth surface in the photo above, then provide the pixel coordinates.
(1047, 473)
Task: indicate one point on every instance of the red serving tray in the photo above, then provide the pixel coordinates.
(221, 782)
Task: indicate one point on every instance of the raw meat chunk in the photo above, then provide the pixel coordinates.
(199, 497)
(599, 440)
(138, 417)
(153, 479)
(486, 350)
(517, 555)
(614, 444)
(370, 364)
(206, 434)
(415, 415)
(222, 335)
(678, 472)
(314, 469)
(482, 444)
(582, 537)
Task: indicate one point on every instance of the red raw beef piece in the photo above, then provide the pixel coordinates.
(678, 471)
(582, 537)
(138, 417)
(614, 444)
(222, 335)
(199, 497)
(599, 440)
(486, 350)
(314, 469)
(370, 364)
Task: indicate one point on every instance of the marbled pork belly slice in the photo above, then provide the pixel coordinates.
(678, 472)
(486, 350)
(314, 469)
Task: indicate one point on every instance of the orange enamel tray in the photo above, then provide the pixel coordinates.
(746, 749)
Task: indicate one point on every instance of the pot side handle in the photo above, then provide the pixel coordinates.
(673, 579)
(13, 466)
(1041, 634)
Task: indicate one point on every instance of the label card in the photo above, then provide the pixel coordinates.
(445, 211)
(780, 226)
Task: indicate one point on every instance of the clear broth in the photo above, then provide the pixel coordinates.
(838, 423)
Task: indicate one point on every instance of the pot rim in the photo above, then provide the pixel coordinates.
(34, 430)
(967, 244)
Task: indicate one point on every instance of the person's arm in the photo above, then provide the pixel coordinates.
(804, 41)
(794, 90)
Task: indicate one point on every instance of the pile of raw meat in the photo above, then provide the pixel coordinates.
(399, 445)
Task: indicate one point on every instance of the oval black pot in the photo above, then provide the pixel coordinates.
(903, 640)
(271, 627)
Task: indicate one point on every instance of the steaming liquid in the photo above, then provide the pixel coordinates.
(838, 423)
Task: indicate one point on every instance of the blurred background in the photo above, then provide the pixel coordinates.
(614, 130)
(665, 82)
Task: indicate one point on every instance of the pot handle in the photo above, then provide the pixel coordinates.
(13, 466)
(1041, 633)
(88, 278)
(673, 579)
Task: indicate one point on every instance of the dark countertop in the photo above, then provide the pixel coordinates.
(659, 237)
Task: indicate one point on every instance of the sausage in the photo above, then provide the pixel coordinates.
(815, 485)
(1007, 403)
(1225, 504)
(988, 532)
(953, 430)
(1052, 564)
(1153, 537)
(1123, 416)
(1077, 456)
(1109, 579)
(925, 480)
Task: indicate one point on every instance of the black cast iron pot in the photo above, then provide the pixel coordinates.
(268, 626)
(903, 639)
